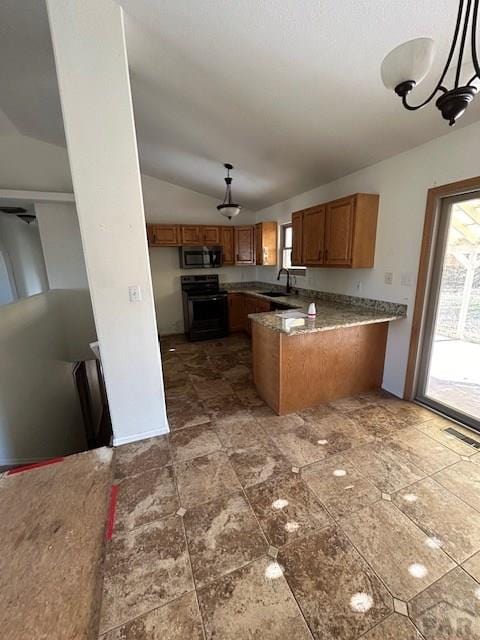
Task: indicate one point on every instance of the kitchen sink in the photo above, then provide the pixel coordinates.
(273, 294)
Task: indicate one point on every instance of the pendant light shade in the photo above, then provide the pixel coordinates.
(228, 208)
(408, 64)
(410, 61)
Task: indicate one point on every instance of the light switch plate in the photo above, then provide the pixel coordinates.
(134, 293)
(388, 277)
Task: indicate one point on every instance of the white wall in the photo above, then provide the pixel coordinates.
(27, 163)
(166, 273)
(87, 35)
(78, 324)
(41, 336)
(165, 202)
(39, 410)
(21, 242)
(60, 233)
(62, 245)
(7, 286)
(402, 182)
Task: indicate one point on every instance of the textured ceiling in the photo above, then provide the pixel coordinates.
(289, 92)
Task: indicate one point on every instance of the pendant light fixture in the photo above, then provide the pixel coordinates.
(408, 64)
(228, 208)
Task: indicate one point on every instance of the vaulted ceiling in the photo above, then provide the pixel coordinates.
(289, 92)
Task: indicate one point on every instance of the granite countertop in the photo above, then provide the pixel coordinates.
(330, 315)
(292, 301)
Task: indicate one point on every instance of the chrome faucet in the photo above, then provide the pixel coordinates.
(288, 277)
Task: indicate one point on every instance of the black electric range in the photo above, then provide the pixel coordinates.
(205, 307)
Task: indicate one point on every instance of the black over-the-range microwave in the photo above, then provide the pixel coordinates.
(201, 257)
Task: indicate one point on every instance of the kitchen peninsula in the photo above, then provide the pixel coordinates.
(299, 363)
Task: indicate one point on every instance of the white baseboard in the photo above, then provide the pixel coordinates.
(143, 435)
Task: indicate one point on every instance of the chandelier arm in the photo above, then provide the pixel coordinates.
(476, 64)
(462, 43)
(438, 86)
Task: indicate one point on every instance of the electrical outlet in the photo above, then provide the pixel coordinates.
(388, 277)
(134, 293)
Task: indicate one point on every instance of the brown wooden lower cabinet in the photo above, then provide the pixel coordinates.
(263, 306)
(236, 312)
(292, 373)
(240, 305)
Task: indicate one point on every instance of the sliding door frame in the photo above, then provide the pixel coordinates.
(439, 251)
(435, 198)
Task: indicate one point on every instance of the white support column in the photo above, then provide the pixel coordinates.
(91, 60)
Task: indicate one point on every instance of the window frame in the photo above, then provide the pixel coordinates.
(296, 270)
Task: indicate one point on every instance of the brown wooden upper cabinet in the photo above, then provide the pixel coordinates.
(266, 241)
(163, 235)
(245, 245)
(200, 234)
(314, 236)
(210, 235)
(341, 233)
(297, 239)
(191, 234)
(227, 240)
(339, 228)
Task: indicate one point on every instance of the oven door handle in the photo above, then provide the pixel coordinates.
(206, 298)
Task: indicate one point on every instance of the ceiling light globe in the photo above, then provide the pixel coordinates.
(410, 61)
(229, 211)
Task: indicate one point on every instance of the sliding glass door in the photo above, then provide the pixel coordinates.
(449, 374)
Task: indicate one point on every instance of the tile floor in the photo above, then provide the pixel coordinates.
(52, 535)
(358, 519)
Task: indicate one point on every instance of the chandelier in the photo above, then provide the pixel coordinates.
(409, 63)
(228, 208)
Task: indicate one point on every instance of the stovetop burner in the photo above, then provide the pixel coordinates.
(201, 284)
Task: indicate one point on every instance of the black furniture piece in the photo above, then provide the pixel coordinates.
(205, 308)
